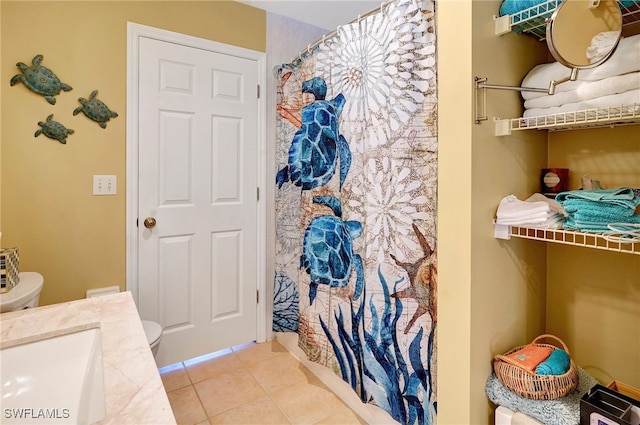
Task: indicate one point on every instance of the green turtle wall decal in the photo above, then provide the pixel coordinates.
(95, 110)
(40, 79)
(53, 130)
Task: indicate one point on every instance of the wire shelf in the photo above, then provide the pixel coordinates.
(569, 237)
(610, 116)
(533, 20)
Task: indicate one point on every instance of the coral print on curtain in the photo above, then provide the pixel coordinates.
(356, 264)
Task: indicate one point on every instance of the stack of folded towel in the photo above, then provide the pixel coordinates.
(535, 211)
(595, 210)
(616, 82)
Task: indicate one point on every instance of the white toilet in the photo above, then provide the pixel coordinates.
(26, 294)
(152, 330)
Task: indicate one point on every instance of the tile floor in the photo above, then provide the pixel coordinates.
(256, 384)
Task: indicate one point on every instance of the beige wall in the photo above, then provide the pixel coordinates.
(509, 278)
(453, 27)
(491, 294)
(593, 299)
(76, 240)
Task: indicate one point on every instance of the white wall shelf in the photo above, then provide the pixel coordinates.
(567, 237)
(610, 116)
(533, 20)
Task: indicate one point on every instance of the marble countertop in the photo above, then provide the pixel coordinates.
(133, 389)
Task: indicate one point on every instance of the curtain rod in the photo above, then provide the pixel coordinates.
(335, 31)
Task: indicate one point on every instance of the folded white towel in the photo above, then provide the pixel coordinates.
(552, 221)
(511, 207)
(536, 211)
(586, 90)
(522, 222)
(555, 221)
(625, 59)
(554, 206)
(525, 217)
(630, 99)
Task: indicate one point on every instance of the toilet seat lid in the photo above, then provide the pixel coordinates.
(152, 330)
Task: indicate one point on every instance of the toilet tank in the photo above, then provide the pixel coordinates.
(26, 294)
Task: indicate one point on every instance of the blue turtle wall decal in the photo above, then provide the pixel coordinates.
(95, 110)
(327, 253)
(40, 79)
(318, 144)
(53, 130)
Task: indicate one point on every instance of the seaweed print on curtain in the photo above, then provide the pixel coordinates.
(356, 268)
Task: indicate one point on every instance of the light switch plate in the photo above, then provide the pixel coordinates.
(104, 185)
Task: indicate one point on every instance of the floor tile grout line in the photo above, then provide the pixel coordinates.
(224, 411)
(280, 409)
(269, 393)
(245, 367)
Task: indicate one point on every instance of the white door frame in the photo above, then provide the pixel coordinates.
(134, 33)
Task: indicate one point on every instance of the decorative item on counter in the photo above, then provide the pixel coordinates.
(554, 181)
(9, 268)
(40, 79)
(53, 130)
(95, 110)
(526, 383)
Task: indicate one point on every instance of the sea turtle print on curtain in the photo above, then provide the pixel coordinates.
(327, 254)
(356, 260)
(318, 144)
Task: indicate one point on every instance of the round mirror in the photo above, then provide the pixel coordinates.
(584, 33)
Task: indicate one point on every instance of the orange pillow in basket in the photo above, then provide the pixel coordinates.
(530, 356)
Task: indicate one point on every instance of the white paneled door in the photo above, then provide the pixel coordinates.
(197, 200)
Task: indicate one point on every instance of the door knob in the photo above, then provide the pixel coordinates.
(149, 222)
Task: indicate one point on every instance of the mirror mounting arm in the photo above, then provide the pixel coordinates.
(553, 84)
(480, 98)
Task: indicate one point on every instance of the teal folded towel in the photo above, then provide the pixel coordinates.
(598, 209)
(595, 226)
(621, 193)
(624, 196)
(586, 226)
(558, 363)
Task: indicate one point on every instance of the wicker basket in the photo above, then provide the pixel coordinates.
(530, 385)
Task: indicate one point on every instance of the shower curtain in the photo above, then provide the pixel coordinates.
(356, 259)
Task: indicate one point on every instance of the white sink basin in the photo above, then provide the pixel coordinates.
(56, 380)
